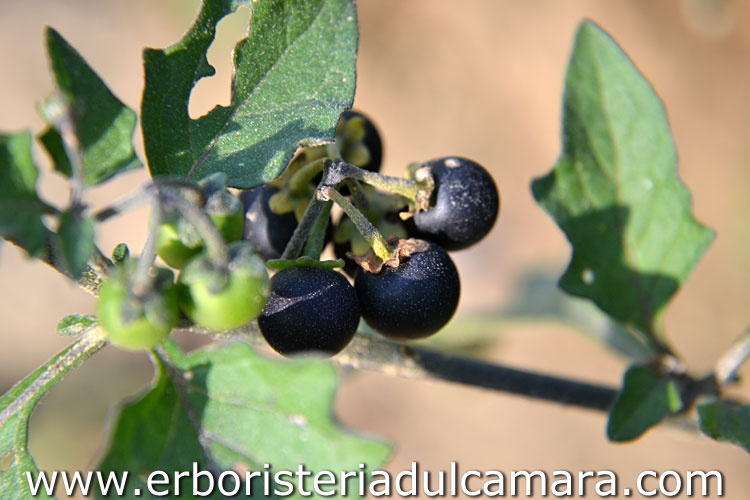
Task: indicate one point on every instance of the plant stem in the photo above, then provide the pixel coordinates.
(358, 196)
(730, 361)
(407, 188)
(317, 238)
(72, 356)
(375, 354)
(215, 246)
(58, 111)
(142, 278)
(301, 232)
(376, 240)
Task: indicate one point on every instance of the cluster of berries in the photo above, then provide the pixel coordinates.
(409, 296)
(222, 283)
(392, 241)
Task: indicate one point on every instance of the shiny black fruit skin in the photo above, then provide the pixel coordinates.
(309, 310)
(267, 230)
(411, 301)
(464, 207)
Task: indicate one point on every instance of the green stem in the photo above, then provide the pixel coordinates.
(317, 238)
(407, 188)
(376, 240)
(215, 246)
(142, 278)
(359, 197)
(297, 241)
(51, 373)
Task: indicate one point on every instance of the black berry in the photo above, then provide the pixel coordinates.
(264, 228)
(464, 204)
(310, 309)
(413, 300)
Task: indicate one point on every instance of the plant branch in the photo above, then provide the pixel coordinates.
(71, 357)
(374, 354)
(317, 238)
(376, 240)
(297, 241)
(416, 189)
(730, 361)
(142, 278)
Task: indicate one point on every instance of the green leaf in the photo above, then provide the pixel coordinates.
(615, 190)
(232, 408)
(646, 398)
(16, 407)
(726, 421)
(103, 125)
(75, 324)
(294, 75)
(20, 207)
(75, 242)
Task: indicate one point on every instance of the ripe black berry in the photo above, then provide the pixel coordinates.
(464, 204)
(264, 228)
(413, 300)
(310, 309)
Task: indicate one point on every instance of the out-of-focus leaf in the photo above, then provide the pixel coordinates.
(103, 125)
(75, 242)
(20, 207)
(646, 398)
(725, 421)
(229, 408)
(294, 75)
(615, 190)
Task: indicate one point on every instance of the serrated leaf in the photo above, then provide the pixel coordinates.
(615, 190)
(75, 324)
(75, 242)
(726, 421)
(233, 408)
(16, 407)
(103, 125)
(20, 207)
(646, 398)
(294, 75)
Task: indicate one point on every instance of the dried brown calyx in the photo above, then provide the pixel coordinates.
(402, 250)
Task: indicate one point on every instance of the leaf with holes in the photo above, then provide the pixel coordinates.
(229, 408)
(293, 76)
(616, 192)
(19, 470)
(103, 125)
(726, 421)
(21, 209)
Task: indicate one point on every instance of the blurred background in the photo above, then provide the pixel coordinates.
(481, 79)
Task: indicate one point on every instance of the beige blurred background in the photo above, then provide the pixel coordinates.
(482, 79)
